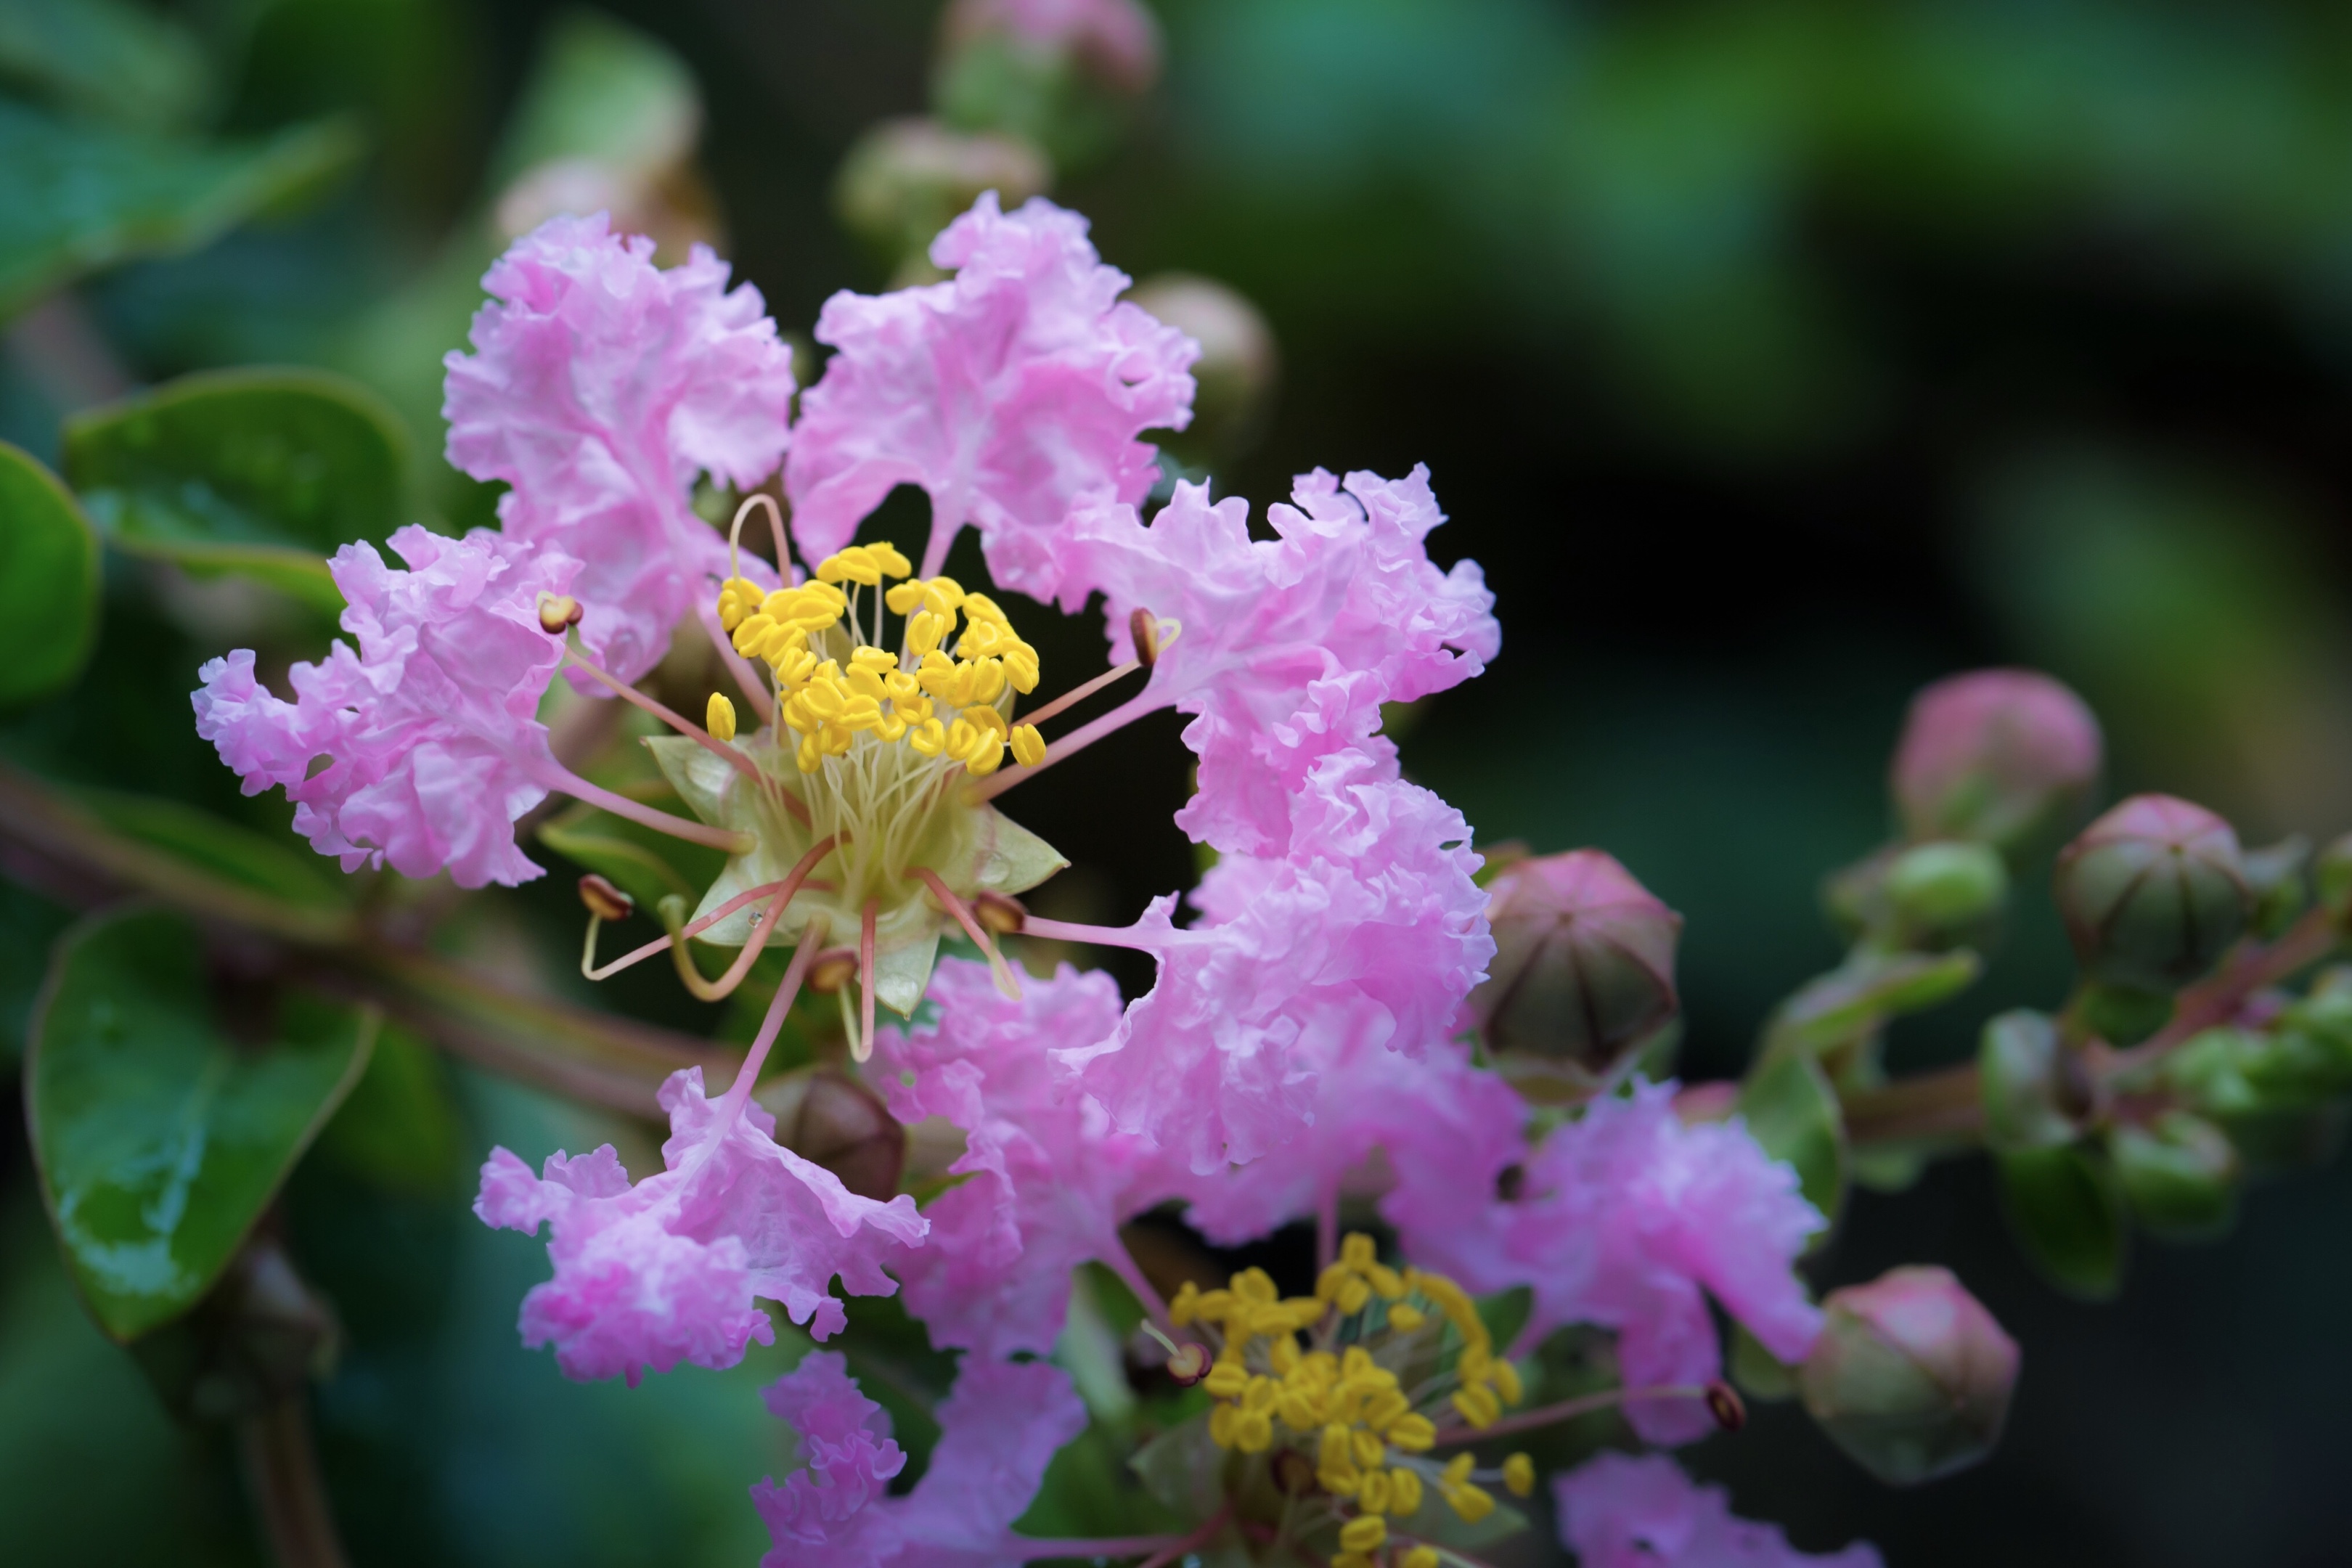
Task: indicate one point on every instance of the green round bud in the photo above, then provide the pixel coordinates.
(2153, 892)
(1584, 963)
(1947, 894)
(1911, 1376)
(2179, 1175)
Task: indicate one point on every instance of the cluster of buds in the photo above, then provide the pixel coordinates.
(1335, 1414)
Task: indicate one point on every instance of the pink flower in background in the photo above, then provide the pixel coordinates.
(1628, 1219)
(1006, 394)
(667, 1270)
(998, 1430)
(1118, 38)
(1050, 1179)
(1289, 646)
(1620, 1510)
(1366, 935)
(599, 387)
(430, 731)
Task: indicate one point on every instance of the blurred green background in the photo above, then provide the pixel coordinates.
(1774, 358)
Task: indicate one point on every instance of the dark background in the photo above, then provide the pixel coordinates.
(1774, 359)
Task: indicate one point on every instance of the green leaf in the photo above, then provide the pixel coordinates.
(268, 866)
(264, 473)
(106, 57)
(1793, 1112)
(398, 1130)
(48, 578)
(76, 197)
(28, 925)
(606, 94)
(158, 1137)
(2067, 1210)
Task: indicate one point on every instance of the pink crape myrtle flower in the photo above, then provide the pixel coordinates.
(1368, 934)
(998, 1430)
(1006, 394)
(1288, 646)
(667, 1271)
(430, 731)
(1050, 1178)
(1431, 1134)
(1118, 38)
(1628, 1219)
(1623, 1510)
(600, 385)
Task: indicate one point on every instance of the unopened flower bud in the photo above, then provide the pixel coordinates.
(2179, 1174)
(1911, 1376)
(1234, 376)
(830, 1118)
(1584, 964)
(906, 179)
(1947, 893)
(2004, 757)
(605, 901)
(2153, 892)
(1119, 40)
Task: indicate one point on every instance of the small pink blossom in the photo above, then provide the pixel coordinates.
(998, 1430)
(1627, 1218)
(667, 1271)
(1620, 1510)
(1288, 645)
(1006, 394)
(432, 745)
(1050, 1179)
(1118, 38)
(599, 387)
(1366, 935)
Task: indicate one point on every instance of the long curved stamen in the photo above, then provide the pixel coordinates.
(863, 1046)
(735, 532)
(718, 990)
(811, 942)
(1095, 936)
(1076, 695)
(559, 777)
(691, 731)
(793, 882)
(972, 929)
(1070, 745)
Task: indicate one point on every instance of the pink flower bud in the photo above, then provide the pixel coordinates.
(1117, 41)
(1237, 369)
(1911, 1376)
(2153, 892)
(1995, 756)
(1584, 963)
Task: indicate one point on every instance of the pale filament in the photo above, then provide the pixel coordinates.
(1076, 695)
(812, 940)
(692, 731)
(1099, 936)
(762, 925)
(1070, 745)
(793, 882)
(638, 811)
(972, 929)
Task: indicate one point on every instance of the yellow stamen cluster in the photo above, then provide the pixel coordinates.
(1347, 1409)
(831, 687)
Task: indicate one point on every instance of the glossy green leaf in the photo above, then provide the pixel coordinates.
(76, 196)
(30, 925)
(604, 93)
(159, 1137)
(1792, 1111)
(398, 1130)
(48, 579)
(2067, 1210)
(112, 58)
(265, 473)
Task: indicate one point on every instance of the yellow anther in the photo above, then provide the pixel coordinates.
(1372, 1494)
(1420, 1556)
(1476, 1363)
(1477, 1404)
(1364, 1533)
(1356, 1363)
(1339, 1482)
(1366, 1449)
(1457, 1471)
(1254, 1286)
(1519, 1475)
(943, 595)
(1214, 1305)
(886, 556)
(1415, 1434)
(810, 756)
(1472, 1503)
(1283, 1356)
(1329, 1282)
(1386, 1280)
(872, 658)
(928, 737)
(1029, 749)
(1336, 1441)
(1354, 1297)
(857, 563)
(1226, 1380)
(794, 666)
(718, 718)
(906, 596)
(891, 727)
(1405, 1493)
(1385, 1408)
(738, 598)
(1259, 1396)
(1254, 1433)
(926, 631)
(1357, 1251)
(1222, 1419)
(1353, 1560)
(1301, 1410)
(981, 607)
(1270, 1321)
(987, 680)
(863, 682)
(1322, 1367)
(906, 694)
(1405, 1317)
(1183, 1304)
(1505, 1379)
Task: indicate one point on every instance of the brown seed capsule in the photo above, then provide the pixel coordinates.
(557, 611)
(1000, 915)
(831, 1119)
(1143, 630)
(605, 901)
(1723, 1402)
(830, 971)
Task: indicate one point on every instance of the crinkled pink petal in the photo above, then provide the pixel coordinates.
(1624, 1216)
(1368, 934)
(1006, 394)
(599, 387)
(667, 1271)
(1290, 645)
(432, 745)
(1624, 1511)
(1049, 1179)
(999, 1428)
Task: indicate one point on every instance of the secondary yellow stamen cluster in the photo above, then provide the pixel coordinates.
(832, 687)
(1348, 1410)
